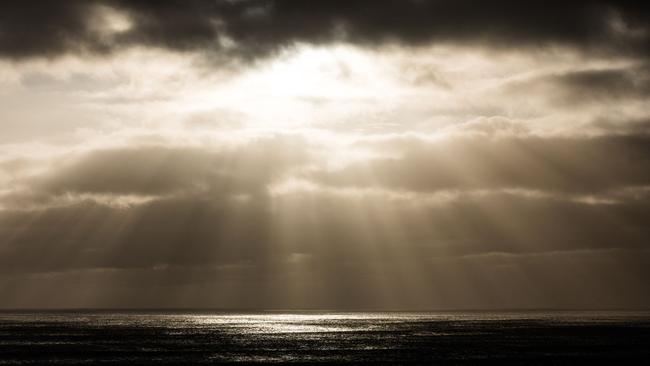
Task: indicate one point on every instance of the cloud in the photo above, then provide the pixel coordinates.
(167, 204)
(208, 229)
(91, 235)
(633, 127)
(214, 226)
(580, 86)
(583, 165)
(488, 127)
(610, 83)
(579, 279)
(154, 170)
(254, 28)
(431, 256)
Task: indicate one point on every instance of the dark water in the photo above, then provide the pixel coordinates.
(355, 338)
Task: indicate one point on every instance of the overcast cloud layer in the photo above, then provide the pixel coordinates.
(258, 27)
(324, 154)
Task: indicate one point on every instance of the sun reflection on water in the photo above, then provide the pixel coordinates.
(289, 323)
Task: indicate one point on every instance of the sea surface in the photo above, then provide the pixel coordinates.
(121, 338)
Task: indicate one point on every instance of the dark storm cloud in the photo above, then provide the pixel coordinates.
(258, 27)
(575, 165)
(45, 28)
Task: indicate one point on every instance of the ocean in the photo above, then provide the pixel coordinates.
(201, 337)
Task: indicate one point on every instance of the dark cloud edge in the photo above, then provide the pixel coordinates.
(251, 29)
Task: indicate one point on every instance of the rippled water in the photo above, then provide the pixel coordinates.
(356, 338)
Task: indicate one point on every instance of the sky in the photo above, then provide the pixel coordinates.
(324, 154)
